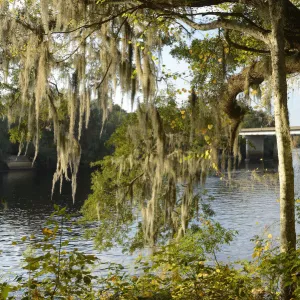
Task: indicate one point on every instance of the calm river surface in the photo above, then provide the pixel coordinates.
(249, 207)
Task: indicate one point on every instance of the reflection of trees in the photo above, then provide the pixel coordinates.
(4, 141)
(31, 190)
(16, 185)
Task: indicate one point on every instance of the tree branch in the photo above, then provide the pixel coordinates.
(250, 30)
(7, 86)
(223, 15)
(100, 22)
(257, 73)
(242, 47)
(56, 87)
(36, 30)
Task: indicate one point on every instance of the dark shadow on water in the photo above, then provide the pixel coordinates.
(31, 190)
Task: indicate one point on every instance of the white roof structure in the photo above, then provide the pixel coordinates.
(267, 131)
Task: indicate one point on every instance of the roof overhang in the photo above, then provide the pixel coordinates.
(295, 130)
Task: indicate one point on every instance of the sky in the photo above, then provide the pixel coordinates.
(294, 105)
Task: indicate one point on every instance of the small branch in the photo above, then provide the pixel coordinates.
(242, 47)
(184, 28)
(53, 110)
(132, 9)
(129, 186)
(111, 61)
(250, 30)
(59, 258)
(16, 99)
(135, 179)
(222, 15)
(7, 86)
(70, 54)
(181, 3)
(56, 87)
(104, 76)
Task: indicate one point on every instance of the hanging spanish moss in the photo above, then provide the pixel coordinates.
(162, 169)
(92, 46)
(67, 54)
(44, 7)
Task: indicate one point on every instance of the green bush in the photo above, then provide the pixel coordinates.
(184, 269)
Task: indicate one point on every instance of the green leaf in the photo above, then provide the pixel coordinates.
(87, 280)
(5, 291)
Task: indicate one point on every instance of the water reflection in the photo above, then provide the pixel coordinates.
(248, 206)
(25, 205)
(251, 207)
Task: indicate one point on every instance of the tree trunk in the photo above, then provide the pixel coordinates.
(285, 167)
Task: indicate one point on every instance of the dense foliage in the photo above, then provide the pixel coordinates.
(159, 178)
(57, 57)
(185, 268)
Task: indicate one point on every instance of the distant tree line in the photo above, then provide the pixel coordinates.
(93, 145)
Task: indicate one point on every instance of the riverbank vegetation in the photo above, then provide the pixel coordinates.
(60, 58)
(184, 268)
(92, 145)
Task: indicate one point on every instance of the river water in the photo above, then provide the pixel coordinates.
(244, 204)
